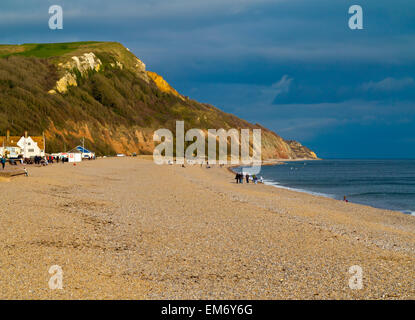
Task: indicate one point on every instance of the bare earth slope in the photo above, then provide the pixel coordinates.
(126, 228)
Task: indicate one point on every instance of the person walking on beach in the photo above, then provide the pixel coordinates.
(237, 177)
(247, 178)
(3, 162)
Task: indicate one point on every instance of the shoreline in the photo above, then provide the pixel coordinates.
(126, 228)
(276, 184)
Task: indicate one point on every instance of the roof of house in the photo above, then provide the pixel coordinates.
(74, 150)
(39, 140)
(83, 150)
(13, 140)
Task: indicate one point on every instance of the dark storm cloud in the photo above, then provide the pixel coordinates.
(293, 65)
(387, 89)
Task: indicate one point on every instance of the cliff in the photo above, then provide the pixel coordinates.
(103, 92)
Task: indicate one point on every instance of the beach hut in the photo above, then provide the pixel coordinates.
(74, 155)
(86, 154)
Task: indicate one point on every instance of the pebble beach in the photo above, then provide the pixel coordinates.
(126, 228)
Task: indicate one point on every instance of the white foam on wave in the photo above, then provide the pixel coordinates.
(411, 213)
(278, 185)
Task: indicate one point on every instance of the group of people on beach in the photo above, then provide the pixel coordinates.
(38, 160)
(44, 160)
(240, 177)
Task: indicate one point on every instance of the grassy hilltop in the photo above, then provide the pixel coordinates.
(102, 91)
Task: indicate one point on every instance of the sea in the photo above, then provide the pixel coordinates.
(385, 184)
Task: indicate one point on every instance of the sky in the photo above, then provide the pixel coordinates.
(293, 66)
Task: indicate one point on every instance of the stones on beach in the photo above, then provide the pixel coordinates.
(188, 234)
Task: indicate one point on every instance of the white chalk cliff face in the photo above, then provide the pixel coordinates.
(117, 64)
(89, 62)
(141, 69)
(84, 63)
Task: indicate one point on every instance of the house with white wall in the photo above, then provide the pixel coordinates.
(24, 146)
(31, 146)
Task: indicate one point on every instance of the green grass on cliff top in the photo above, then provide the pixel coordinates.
(48, 50)
(108, 52)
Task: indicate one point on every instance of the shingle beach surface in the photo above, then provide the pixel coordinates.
(125, 228)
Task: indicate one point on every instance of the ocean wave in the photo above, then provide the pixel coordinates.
(278, 185)
(326, 195)
(382, 193)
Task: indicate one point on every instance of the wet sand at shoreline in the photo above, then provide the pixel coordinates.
(125, 228)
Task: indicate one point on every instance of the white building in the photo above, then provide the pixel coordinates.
(85, 153)
(31, 148)
(25, 146)
(10, 151)
(74, 155)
